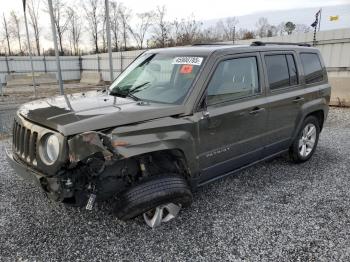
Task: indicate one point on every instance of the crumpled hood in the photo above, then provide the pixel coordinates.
(77, 113)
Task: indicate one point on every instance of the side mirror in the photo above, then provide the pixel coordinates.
(206, 114)
(204, 106)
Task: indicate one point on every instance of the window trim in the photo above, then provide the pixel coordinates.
(322, 68)
(289, 69)
(226, 57)
(297, 66)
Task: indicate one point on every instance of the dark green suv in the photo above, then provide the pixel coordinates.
(175, 119)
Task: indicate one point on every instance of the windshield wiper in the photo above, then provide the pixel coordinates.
(132, 96)
(133, 90)
(124, 94)
(128, 93)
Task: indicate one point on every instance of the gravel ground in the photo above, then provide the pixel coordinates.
(275, 211)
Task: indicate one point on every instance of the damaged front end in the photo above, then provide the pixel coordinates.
(95, 165)
(95, 171)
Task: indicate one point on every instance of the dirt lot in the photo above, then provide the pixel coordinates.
(275, 211)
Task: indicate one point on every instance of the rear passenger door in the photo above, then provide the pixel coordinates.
(284, 98)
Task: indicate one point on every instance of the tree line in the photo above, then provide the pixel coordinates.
(151, 29)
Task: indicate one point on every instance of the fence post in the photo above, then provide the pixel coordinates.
(45, 64)
(7, 65)
(98, 64)
(80, 65)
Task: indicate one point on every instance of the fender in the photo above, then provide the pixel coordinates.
(309, 107)
(166, 133)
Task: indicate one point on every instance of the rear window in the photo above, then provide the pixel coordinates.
(281, 71)
(312, 67)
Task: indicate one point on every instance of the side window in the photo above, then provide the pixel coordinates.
(281, 71)
(277, 71)
(234, 79)
(312, 67)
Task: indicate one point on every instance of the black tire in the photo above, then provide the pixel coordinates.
(294, 152)
(149, 194)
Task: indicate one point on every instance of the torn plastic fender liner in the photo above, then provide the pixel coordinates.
(86, 144)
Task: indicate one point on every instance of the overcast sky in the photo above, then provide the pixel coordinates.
(203, 9)
(178, 9)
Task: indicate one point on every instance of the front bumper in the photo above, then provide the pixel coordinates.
(24, 171)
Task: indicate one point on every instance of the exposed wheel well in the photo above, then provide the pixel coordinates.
(320, 117)
(165, 161)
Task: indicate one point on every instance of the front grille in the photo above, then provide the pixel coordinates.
(25, 143)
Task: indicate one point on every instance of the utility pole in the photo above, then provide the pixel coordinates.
(29, 47)
(54, 36)
(108, 29)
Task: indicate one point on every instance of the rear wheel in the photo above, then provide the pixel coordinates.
(159, 199)
(305, 143)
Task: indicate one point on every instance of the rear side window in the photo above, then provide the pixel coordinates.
(312, 67)
(234, 79)
(281, 71)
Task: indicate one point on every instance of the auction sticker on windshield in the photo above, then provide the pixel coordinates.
(188, 60)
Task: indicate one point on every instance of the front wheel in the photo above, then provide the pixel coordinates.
(159, 199)
(306, 141)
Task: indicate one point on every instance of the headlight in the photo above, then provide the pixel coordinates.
(50, 149)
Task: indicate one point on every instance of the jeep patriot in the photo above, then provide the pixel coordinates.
(173, 120)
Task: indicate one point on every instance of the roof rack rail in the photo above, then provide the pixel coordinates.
(260, 43)
(212, 43)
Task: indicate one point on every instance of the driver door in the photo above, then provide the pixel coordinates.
(233, 128)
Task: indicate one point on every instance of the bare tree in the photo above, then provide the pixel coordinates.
(74, 29)
(302, 28)
(91, 8)
(33, 10)
(7, 34)
(161, 28)
(61, 20)
(190, 31)
(15, 28)
(280, 28)
(2, 47)
(103, 32)
(272, 31)
(141, 28)
(208, 35)
(174, 33)
(115, 25)
(262, 27)
(248, 35)
(124, 18)
(227, 27)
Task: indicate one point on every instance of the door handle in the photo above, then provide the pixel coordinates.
(298, 99)
(256, 110)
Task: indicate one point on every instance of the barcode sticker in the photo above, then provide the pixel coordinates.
(188, 60)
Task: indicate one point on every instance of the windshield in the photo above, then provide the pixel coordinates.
(158, 78)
